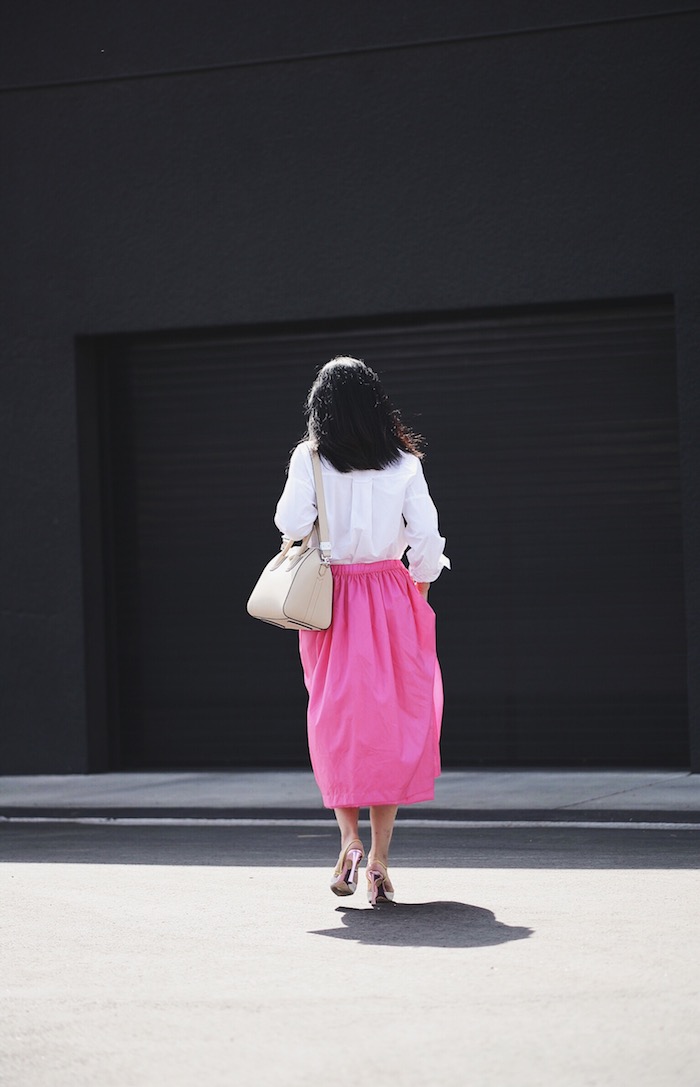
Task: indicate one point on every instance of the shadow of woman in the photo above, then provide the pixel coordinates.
(424, 924)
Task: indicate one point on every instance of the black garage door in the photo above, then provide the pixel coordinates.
(553, 459)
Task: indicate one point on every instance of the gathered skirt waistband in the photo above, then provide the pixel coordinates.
(352, 568)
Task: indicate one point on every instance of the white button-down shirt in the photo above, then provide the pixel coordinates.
(372, 515)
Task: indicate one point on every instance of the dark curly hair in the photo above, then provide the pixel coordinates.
(351, 421)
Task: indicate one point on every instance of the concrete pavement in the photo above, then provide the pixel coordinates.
(532, 942)
(568, 795)
(216, 955)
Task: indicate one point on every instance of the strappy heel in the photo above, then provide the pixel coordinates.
(379, 887)
(344, 880)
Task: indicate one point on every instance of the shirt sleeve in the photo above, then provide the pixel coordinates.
(426, 557)
(296, 510)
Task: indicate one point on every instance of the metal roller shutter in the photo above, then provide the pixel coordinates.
(553, 459)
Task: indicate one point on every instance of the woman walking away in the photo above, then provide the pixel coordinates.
(374, 683)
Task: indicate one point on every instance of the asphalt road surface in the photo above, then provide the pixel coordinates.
(208, 955)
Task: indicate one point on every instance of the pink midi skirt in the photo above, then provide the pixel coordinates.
(375, 690)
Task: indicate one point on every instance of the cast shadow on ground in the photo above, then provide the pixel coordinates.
(424, 924)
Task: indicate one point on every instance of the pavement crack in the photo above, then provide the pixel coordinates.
(620, 792)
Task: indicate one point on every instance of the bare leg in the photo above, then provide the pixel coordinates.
(379, 886)
(382, 818)
(344, 880)
(348, 825)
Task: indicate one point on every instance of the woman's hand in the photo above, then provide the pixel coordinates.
(423, 587)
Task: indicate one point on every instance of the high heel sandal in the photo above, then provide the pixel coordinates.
(344, 880)
(379, 887)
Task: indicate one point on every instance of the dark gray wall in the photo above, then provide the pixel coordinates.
(331, 167)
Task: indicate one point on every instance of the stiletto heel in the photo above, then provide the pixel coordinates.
(379, 887)
(344, 880)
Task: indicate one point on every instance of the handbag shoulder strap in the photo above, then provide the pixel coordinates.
(324, 542)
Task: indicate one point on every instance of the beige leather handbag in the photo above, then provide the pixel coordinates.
(295, 590)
